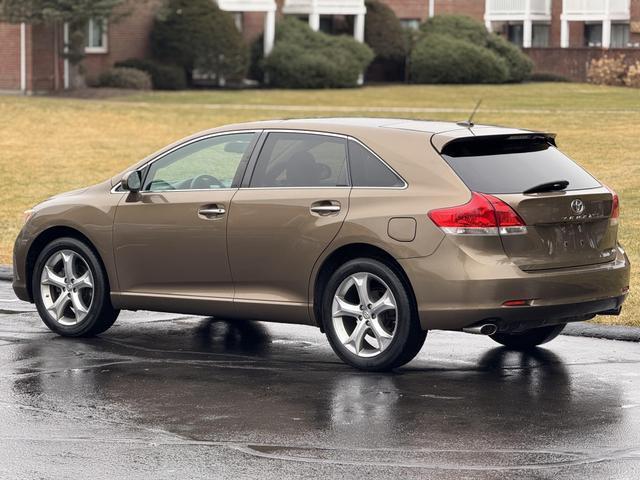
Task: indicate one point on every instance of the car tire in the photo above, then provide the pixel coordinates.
(529, 338)
(72, 296)
(392, 337)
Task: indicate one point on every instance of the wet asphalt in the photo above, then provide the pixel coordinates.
(169, 396)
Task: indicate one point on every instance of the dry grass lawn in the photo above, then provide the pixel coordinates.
(49, 145)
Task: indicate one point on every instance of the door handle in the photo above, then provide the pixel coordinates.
(326, 207)
(211, 211)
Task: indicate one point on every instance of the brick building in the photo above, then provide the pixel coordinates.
(561, 36)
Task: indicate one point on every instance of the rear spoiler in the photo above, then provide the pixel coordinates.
(475, 145)
(441, 140)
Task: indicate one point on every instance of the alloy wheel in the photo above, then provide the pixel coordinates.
(364, 314)
(67, 287)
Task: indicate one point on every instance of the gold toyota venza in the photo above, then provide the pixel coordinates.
(374, 230)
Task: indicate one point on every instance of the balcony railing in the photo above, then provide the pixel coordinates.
(247, 5)
(324, 7)
(596, 8)
(518, 8)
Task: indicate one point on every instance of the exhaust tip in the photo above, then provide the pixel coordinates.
(488, 329)
(485, 329)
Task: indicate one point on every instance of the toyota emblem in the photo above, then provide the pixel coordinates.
(577, 206)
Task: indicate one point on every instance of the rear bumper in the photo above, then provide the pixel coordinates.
(455, 289)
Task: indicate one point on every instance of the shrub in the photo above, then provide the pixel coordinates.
(472, 32)
(163, 77)
(384, 34)
(607, 71)
(518, 63)
(197, 35)
(440, 58)
(120, 77)
(547, 77)
(632, 78)
(458, 26)
(303, 58)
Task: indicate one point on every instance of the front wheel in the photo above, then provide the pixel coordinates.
(369, 317)
(529, 338)
(71, 290)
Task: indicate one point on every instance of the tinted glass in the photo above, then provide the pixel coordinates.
(301, 160)
(513, 166)
(368, 171)
(206, 164)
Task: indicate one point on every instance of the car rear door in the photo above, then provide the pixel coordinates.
(291, 205)
(566, 227)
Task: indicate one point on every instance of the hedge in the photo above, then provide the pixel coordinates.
(163, 77)
(120, 77)
(302, 58)
(443, 59)
(488, 46)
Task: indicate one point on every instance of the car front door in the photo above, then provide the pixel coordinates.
(281, 220)
(170, 239)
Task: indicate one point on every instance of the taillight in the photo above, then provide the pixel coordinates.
(482, 215)
(615, 205)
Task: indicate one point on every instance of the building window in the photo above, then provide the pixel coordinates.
(540, 32)
(410, 23)
(620, 35)
(593, 34)
(96, 36)
(515, 33)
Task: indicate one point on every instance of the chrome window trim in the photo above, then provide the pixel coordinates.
(177, 147)
(269, 130)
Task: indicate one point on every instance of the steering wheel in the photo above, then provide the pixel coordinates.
(204, 182)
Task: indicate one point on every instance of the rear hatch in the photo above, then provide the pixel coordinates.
(567, 211)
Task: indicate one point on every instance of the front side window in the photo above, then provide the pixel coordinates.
(301, 160)
(206, 164)
(96, 36)
(368, 171)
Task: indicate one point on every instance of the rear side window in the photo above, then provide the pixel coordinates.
(513, 164)
(367, 170)
(301, 160)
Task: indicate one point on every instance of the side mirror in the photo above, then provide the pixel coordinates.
(131, 181)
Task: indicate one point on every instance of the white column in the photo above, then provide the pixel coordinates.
(606, 33)
(606, 26)
(432, 8)
(23, 57)
(67, 82)
(358, 27)
(314, 21)
(564, 33)
(527, 33)
(527, 27)
(487, 18)
(269, 31)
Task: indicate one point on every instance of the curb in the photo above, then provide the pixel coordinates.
(605, 332)
(6, 273)
(575, 329)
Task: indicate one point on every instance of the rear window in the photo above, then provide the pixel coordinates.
(513, 165)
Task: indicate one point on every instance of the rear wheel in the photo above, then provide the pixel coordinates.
(70, 290)
(529, 338)
(369, 317)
